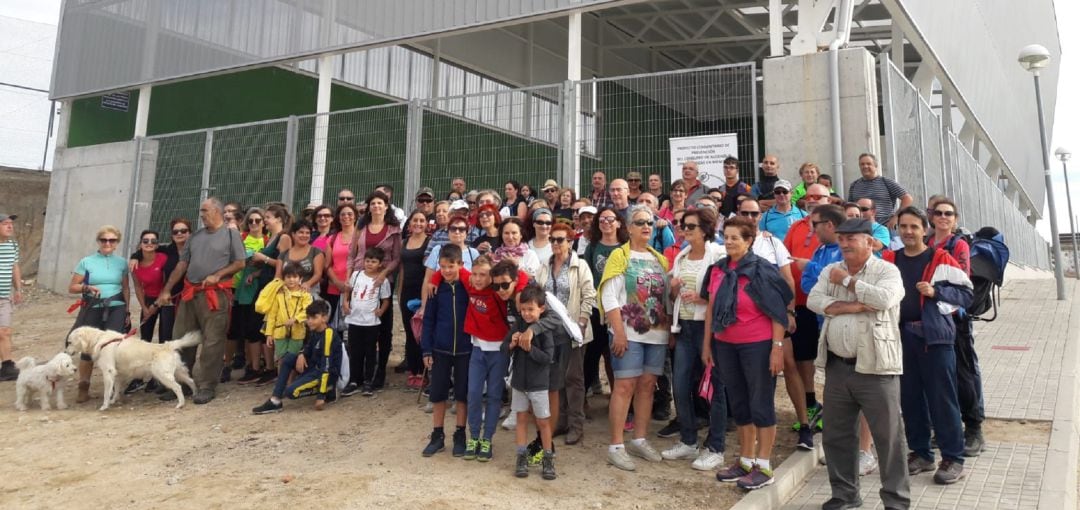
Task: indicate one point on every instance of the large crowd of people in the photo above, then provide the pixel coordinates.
(693, 299)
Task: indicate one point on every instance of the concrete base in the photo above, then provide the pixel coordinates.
(798, 118)
(90, 187)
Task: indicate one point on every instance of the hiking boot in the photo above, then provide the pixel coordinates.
(620, 459)
(839, 504)
(267, 377)
(169, 396)
(134, 386)
(367, 391)
(521, 469)
(484, 452)
(917, 464)
(948, 472)
(755, 479)
(643, 450)
(436, 445)
(250, 376)
(268, 407)
(350, 390)
(8, 371)
(226, 374)
(573, 436)
(681, 451)
(470, 449)
(547, 466)
(84, 392)
(672, 429)
(806, 438)
(974, 444)
(867, 463)
(459, 443)
(708, 460)
(203, 397)
(733, 472)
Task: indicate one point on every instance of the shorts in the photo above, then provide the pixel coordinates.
(244, 324)
(521, 400)
(283, 346)
(638, 359)
(559, 363)
(447, 369)
(5, 312)
(804, 341)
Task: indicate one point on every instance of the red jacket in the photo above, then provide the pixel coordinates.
(801, 242)
(485, 318)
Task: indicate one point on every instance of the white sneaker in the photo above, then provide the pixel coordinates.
(510, 423)
(680, 451)
(620, 459)
(708, 460)
(867, 463)
(429, 408)
(644, 450)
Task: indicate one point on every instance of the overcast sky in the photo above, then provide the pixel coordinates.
(1066, 125)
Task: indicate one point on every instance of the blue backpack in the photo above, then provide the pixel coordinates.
(989, 257)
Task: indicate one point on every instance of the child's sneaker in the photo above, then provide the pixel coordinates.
(268, 407)
(547, 471)
(484, 454)
(436, 445)
(367, 391)
(470, 449)
(522, 466)
(755, 479)
(350, 390)
(459, 443)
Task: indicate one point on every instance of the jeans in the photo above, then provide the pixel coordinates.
(687, 363)
(485, 368)
(928, 396)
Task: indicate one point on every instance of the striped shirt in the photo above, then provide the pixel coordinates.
(9, 256)
(882, 190)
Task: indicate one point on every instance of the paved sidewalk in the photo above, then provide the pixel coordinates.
(1021, 356)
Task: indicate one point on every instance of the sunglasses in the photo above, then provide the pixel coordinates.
(633, 180)
(817, 224)
(778, 192)
(704, 205)
(472, 204)
(149, 241)
(643, 223)
(557, 240)
(750, 214)
(425, 200)
(865, 209)
(108, 240)
(551, 190)
(254, 220)
(815, 197)
(502, 286)
(346, 199)
(689, 226)
(543, 223)
(178, 231)
(947, 214)
(459, 229)
(608, 219)
(327, 215)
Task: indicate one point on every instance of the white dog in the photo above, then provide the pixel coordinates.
(46, 380)
(123, 360)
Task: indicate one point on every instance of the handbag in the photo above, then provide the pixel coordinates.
(705, 390)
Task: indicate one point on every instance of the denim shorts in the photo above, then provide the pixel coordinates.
(638, 359)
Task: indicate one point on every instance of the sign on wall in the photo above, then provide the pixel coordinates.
(709, 151)
(116, 101)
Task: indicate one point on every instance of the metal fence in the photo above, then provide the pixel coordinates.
(928, 159)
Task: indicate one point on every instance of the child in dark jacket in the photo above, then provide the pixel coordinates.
(529, 380)
(316, 368)
(446, 349)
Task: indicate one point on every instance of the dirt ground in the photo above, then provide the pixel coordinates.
(358, 453)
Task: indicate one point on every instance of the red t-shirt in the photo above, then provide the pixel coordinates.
(801, 241)
(152, 277)
(751, 324)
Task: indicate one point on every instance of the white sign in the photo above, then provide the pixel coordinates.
(709, 151)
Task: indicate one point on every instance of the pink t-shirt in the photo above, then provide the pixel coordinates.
(152, 277)
(340, 253)
(751, 325)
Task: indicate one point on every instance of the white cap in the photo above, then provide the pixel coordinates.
(587, 210)
(459, 204)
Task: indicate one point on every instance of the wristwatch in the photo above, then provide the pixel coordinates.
(778, 344)
(846, 281)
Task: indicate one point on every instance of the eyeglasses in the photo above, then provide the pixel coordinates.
(543, 223)
(947, 214)
(551, 190)
(324, 215)
(425, 200)
(472, 203)
(778, 192)
(643, 223)
(178, 231)
(254, 220)
(607, 219)
(689, 226)
(557, 240)
(149, 241)
(677, 190)
(633, 180)
(345, 199)
(865, 209)
(108, 240)
(502, 286)
(817, 224)
(815, 197)
(750, 214)
(459, 229)
(485, 213)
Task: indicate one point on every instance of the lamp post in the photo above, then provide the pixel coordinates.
(1033, 58)
(1063, 154)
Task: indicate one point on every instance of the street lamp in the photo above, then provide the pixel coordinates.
(1033, 58)
(1063, 154)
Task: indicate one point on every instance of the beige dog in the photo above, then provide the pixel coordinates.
(123, 360)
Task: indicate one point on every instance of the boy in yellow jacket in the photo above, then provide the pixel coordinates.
(284, 328)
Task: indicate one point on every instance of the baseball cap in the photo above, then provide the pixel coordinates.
(587, 210)
(458, 204)
(5, 217)
(633, 175)
(425, 191)
(550, 183)
(782, 183)
(855, 226)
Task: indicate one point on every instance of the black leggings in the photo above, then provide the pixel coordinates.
(167, 315)
(595, 350)
(386, 342)
(413, 358)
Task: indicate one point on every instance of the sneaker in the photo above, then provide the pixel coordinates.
(708, 460)
(817, 420)
(470, 449)
(917, 464)
(733, 472)
(620, 459)
(806, 438)
(350, 390)
(268, 407)
(573, 436)
(547, 466)
(367, 391)
(670, 430)
(948, 472)
(226, 374)
(522, 466)
(436, 445)
(484, 452)
(267, 377)
(661, 415)
(238, 362)
(629, 425)
(429, 408)
(681, 451)
(811, 416)
(596, 389)
(510, 423)
(8, 371)
(974, 444)
(459, 443)
(152, 386)
(643, 450)
(250, 376)
(413, 382)
(203, 397)
(755, 479)
(867, 463)
(839, 504)
(135, 385)
(401, 368)
(168, 396)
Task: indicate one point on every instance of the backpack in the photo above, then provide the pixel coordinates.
(265, 301)
(989, 257)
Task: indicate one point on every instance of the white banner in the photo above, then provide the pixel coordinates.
(709, 151)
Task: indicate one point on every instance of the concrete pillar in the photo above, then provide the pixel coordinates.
(798, 121)
(142, 111)
(776, 28)
(572, 161)
(64, 124)
(322, 125)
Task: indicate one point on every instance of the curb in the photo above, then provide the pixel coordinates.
(1059, 475)
(788, 478)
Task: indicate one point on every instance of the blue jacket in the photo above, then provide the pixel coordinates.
(315, 356)
(824, 255)
(444, 321)
(952, 290)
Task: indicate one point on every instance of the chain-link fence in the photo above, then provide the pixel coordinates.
(928, 160)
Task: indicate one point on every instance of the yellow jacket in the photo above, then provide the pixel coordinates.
(287, 305)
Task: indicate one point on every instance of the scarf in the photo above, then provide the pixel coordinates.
(769, 292)
(516, 252)
(645, 308)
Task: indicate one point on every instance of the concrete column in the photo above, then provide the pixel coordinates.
(572, 161)
(64, 124)
(776, 28)
(322, 125)
(798, 119)
(142, 112)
